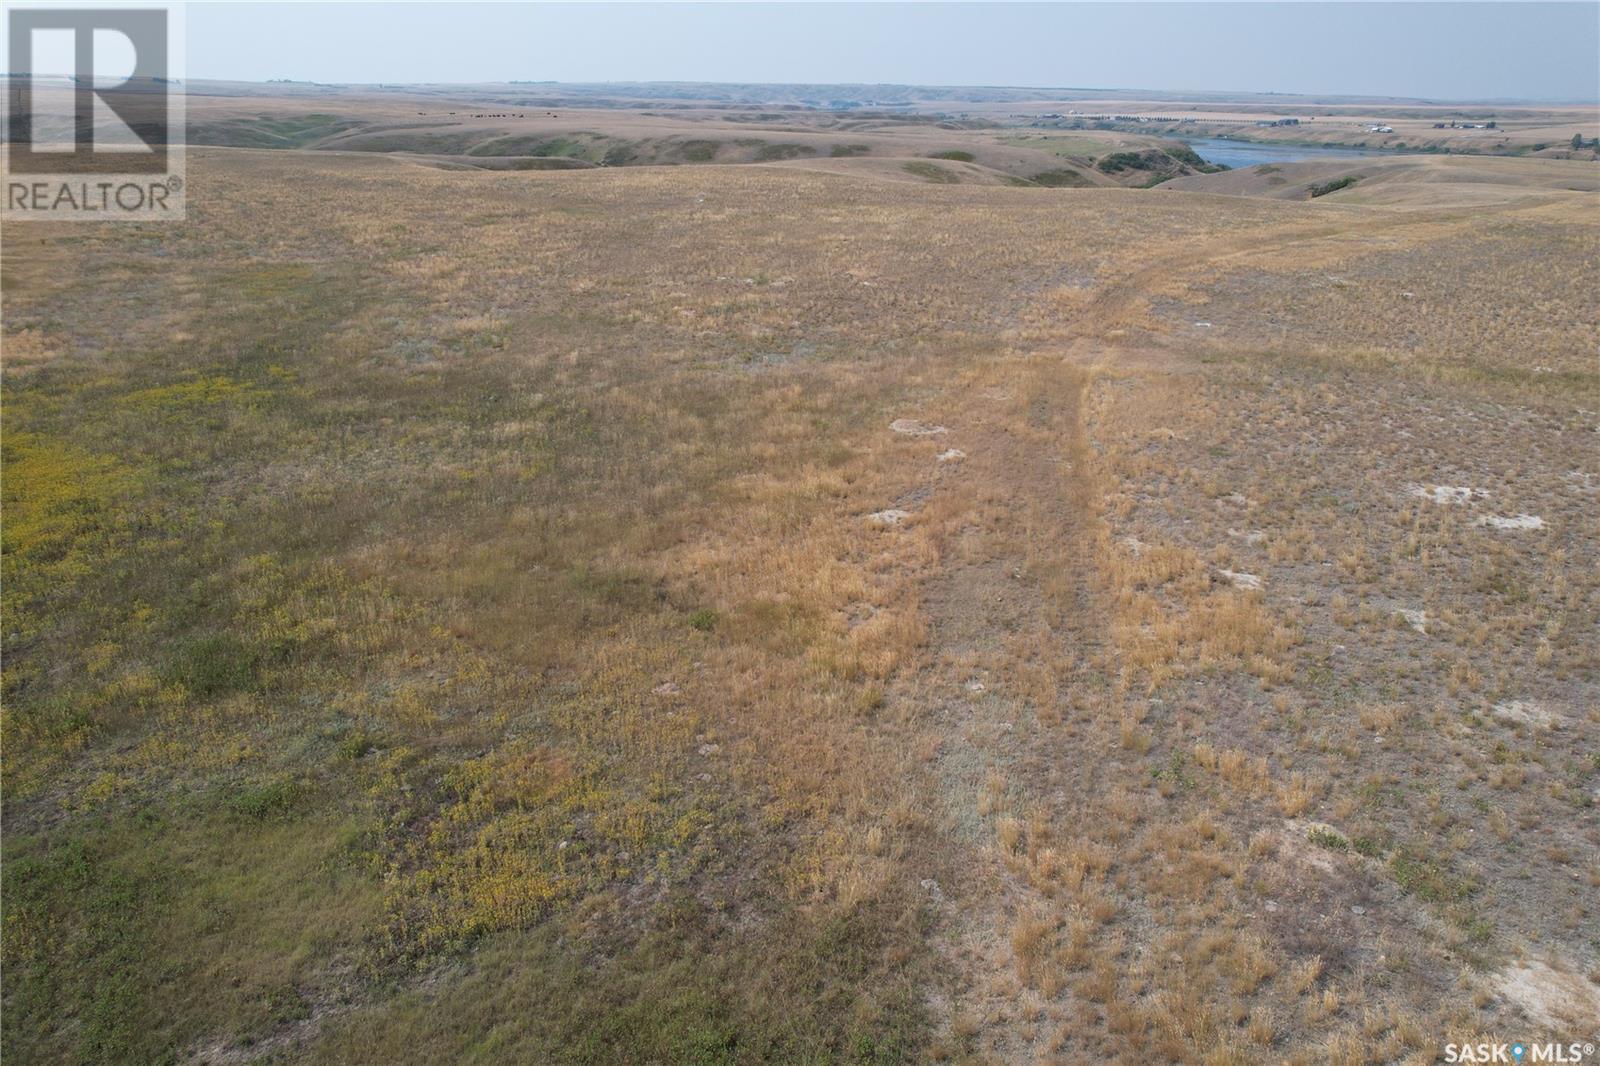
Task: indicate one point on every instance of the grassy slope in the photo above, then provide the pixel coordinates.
(519, 137)
(1418, 181)
(456, 631)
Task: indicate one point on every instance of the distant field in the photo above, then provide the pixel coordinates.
(1066, 144)
(502, 136)
(1012, 139)
(1415, 125)
(860, 605)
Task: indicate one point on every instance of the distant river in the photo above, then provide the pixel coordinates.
(1248, 153)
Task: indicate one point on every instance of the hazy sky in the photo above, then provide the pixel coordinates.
(1441, 50)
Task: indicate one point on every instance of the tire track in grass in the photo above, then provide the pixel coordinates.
(1014, 626)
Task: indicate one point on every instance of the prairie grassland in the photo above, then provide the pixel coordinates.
(489, 616)
(460, 133)
(305, 114)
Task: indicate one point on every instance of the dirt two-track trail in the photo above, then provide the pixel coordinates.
(1015, 621)
(1019, 680)
(1020, 688)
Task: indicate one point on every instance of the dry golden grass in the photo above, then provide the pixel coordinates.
(479, 596)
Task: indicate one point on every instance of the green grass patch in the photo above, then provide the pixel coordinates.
(291, 131)
(1061, 179)
(1426, 879)
(78, 936)
(1117, 162)
(1327, 838)
(415, 141)
(137, 933)
(1333, 186)
(269, 800)
(931, 172)
(1368, 847)
(213, 665)
(772, 153)
(699, 151)
(832, 989)
(570, 147)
